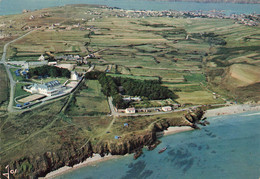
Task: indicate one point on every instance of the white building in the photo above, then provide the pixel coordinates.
(132, 99)
(52, 63)
(166, 108)
(49, 89)
(74, 76)
(130, 110)
(41, 58)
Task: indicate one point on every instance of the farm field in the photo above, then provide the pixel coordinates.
(176, 50)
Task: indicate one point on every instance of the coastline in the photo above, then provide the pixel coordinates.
(174, 130)
(97, 158)
(89, 161)
(227, 110)
(234, 109)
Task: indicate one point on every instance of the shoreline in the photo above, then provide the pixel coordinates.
(97, 158)
(227, 110)
(174, 130)
(234, 109)
(89, 161)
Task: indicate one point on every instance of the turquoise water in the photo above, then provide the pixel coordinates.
(228, 148)
(16, 6)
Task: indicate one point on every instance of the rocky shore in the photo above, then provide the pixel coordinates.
(69, 155)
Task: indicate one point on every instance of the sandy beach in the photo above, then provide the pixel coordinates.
(234, 109)
(174, 130)
(90, 161)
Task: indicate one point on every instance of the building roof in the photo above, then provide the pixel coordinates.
(130, 109)
(49, 85)
(166, 107)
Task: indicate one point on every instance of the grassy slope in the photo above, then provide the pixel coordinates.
(4, 89)
(89, 101)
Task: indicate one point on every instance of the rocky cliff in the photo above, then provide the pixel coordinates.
(70, 154)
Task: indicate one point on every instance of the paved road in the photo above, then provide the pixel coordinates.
(12, 82)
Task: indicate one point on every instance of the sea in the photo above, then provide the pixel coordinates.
(17, 6)
(228, 148)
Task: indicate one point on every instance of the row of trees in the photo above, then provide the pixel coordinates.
(151, 89)
(51, 71)
(110, 88)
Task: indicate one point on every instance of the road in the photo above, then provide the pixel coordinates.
(114, 113)
(111, 106)
(12, 82)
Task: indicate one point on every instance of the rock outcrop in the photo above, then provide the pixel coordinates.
(69, 155)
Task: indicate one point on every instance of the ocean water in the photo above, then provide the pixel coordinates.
(228, 148)
(16, 6)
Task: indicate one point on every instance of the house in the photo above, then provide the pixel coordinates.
(175, 106)
(166, 108)
(52, 63)
(41, 58)
(130, 110)
(132, 98)
(49, 89)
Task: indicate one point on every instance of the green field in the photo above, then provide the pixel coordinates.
(16, 78)
(19, 90)
(4, 88)
(133, 77)
(89, 101)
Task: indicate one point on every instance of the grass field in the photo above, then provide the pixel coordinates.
(16, 78)
(244, 75)
(19, 90)
(134, 77)
(4, 88)
(197, 97)
(89, 101)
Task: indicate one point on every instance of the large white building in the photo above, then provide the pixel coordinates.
(49, 89)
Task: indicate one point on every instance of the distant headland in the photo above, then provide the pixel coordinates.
(217, 1)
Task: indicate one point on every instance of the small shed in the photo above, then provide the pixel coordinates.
(116, 137)
(126, 124)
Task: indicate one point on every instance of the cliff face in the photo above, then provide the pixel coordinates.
(69, 155)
